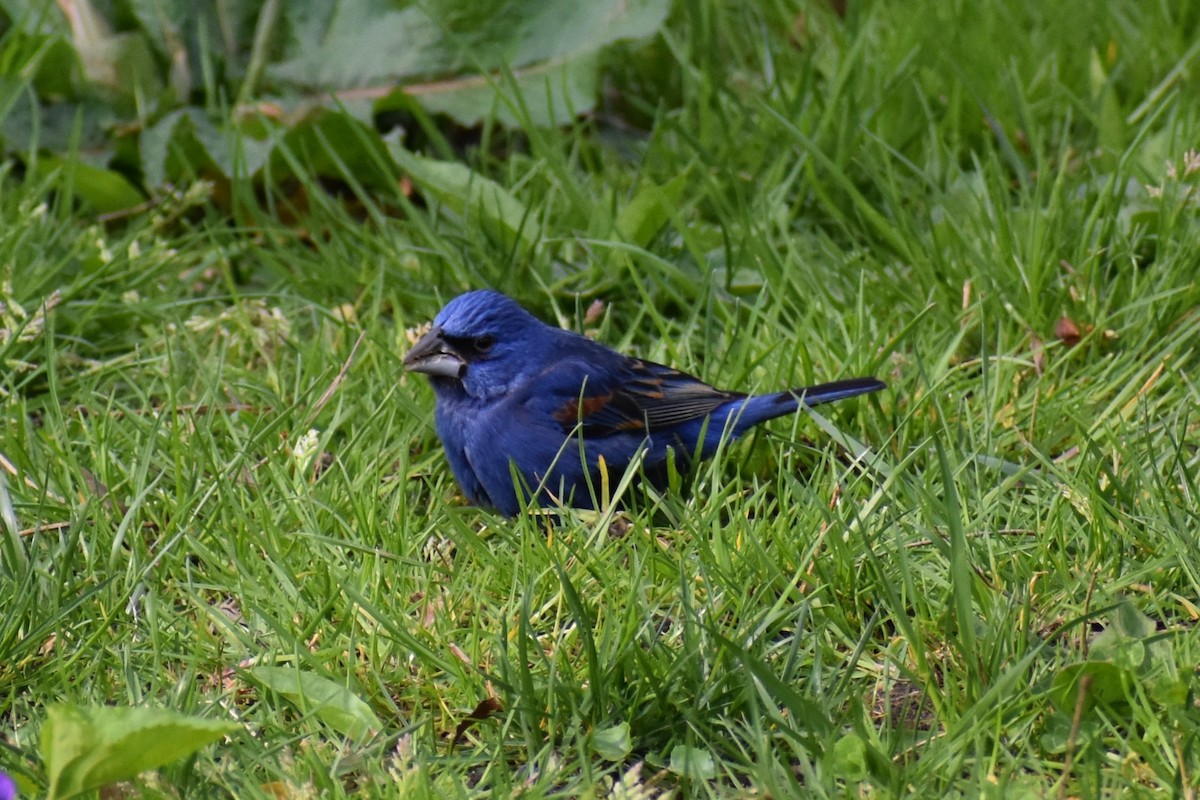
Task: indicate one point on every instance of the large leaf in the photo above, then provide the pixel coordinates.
(546, 94)
(847, 759)
(692, 762)
(330, 702)
(643, 216)
(530, 59)
(82, 127)
(333, 144)
(612, 743)
(185, 145)
(1092, 683)
(469, 194)
(105, 190)
(356, 43)
(88, 747)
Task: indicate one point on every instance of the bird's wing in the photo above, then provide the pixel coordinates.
(628, 396)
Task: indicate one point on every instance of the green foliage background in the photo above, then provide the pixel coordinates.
(220, 224)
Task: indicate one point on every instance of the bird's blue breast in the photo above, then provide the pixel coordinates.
(455, 437)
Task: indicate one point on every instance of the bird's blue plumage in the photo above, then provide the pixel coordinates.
(516, 395)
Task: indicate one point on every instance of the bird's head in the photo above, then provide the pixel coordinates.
(480, 343)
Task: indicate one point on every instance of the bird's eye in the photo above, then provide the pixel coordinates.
(484, 343)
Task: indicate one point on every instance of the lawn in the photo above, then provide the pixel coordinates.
(224, 498)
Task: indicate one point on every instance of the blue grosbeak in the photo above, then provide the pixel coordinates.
(515, 393)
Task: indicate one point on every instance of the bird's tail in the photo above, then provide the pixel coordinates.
(837, 390)
(760, 408)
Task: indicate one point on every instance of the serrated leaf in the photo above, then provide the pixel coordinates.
(178, 145)
(692, 762)
(613, 743)
(185, 144)
(330, 702)
(356, 43)
(528, 61)
(86, 748)
(468, 194)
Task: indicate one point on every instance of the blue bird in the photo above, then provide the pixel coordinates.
(514, 393)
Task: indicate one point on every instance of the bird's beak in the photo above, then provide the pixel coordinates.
(433, 355)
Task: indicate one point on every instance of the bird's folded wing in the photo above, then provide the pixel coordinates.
(626, 396)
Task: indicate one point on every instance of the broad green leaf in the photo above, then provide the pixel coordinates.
(457, 59)
(185, 145)
(102, 189)
(848, 758)
(56, 68)
(86, 748)
(330, 702)
(162, 20)
(1170, 691)
(692, 762)
(356, 43)
(741, 282)
(1106, 685)
(650, 209)
(1124, 642)
(1132, 622)
(1126, 652)
(70, 129)
(543, 31)
(546, 95)
(612, 744)
(1056, 732)
(336, 145)
(184, 36)
(469, 194)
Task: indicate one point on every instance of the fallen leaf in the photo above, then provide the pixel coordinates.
(1067, 331)
(486, 708)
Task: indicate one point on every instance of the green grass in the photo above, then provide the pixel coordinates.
(917, 191)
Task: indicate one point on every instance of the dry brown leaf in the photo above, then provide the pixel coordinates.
(1067, 331)
(486, 708)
